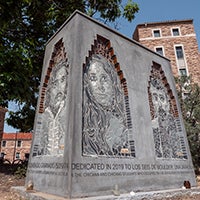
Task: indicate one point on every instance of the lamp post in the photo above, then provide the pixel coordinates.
(15, 146)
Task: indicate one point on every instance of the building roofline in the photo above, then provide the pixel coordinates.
(165, 22)
(19, 136)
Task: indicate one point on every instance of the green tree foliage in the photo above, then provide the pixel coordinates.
(189, 96)
(26, 25)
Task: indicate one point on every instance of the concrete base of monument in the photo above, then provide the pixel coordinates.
(152, 195)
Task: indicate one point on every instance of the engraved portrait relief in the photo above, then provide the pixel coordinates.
(52, 111)
(105, 123)
(167, 130)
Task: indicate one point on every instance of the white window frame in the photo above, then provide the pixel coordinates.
(180, 69)
(17, 153)
(177, 62)
(2, 155)
(157, 29)
(178, 31)
(163, 49)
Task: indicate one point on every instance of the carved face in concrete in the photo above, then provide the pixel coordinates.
(159, 98)
(100, 84)
(160, 101)
(105, 131)
(57, 88)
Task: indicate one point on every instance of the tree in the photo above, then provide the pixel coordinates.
(26, 26)
(189, 97)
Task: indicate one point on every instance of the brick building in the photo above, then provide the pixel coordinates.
(175, 40)
(13, 145)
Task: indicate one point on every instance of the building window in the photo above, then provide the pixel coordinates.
(175, 32)
(17, 156)
(2, 155)
(19, 143)
(183, 72)
(156, 33)
(181, 63)
(179, 52)
(3, 143)
(159, 50)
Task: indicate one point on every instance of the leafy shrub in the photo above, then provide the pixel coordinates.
(20, 171)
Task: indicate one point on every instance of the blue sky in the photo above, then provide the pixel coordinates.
(156, 11)
(9, 129)
(163, 10)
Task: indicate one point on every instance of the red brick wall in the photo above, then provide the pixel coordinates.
(143, 34)
(11, 149)
(145, 31)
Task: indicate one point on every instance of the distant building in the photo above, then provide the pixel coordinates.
(16, 146)
(175, 40)
(2, 117)
(13, 145)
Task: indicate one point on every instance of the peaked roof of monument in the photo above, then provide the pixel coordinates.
(77, 12)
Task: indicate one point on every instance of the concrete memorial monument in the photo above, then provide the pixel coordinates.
(107, 117)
